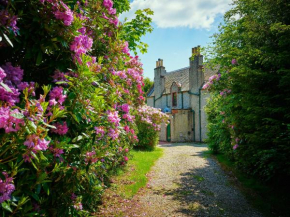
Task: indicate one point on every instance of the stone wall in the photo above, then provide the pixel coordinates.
(181, 126)
(163, 132)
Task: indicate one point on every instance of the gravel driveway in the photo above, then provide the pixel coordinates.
(185, 183)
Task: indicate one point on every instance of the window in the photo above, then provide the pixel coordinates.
(174, 99)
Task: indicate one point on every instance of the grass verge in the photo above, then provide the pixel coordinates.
(269, 199)
(129, 181)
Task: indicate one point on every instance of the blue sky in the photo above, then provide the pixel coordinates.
(178, 25)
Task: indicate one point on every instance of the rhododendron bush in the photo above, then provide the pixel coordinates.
(149, 122)
(68, 89)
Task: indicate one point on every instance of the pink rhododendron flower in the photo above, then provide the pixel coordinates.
(8, 20)
(125, 49)
(56, 151)
(113, 117)
(61, 129)
(126, 158)
(78, 206)
(8, 121)
(66, 16)
(108, 3)
(235, 146)
(35, 143)
(125, 108)
(90, 157)
(81, 44)
(6, 187)
(113, 133)
(57, 94)
(234, 62)
(127, 128)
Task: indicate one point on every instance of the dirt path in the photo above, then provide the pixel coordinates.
(185, 183)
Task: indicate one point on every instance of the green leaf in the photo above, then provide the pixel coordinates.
(33, 164)
(76, 139)
(7, 39)
(39, 58)
(48, 125)
(17, 115)
(46, 188)
(6, 87)
(32, 126)
(6, 206)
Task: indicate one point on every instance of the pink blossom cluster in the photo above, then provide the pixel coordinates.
(211, 80)
(30, 86)
(113, 117)
(236, 143)
(9, 120)
(8, 20)
(100, 132)
(56, 96)
(121, 74)
(134, 63)
(108, 4)
(128, 117)
(6, 187)
(234, 62)
(61, 11)
(125, 49)
(90, 157)
(56, 151)
(14, 75)
(125, 108)
(113, 133)
(152, 116)
(65, 14)
(78, 206)
(61, 129)
(35, 143)
(11, 77)
(225, 92)
(81, 45)
(59, 76)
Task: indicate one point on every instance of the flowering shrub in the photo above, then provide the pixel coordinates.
(60, 143)
(148, 122)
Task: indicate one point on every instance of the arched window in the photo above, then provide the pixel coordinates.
(174, 99)
(174, 94)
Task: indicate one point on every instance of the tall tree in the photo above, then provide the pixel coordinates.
(249, 116)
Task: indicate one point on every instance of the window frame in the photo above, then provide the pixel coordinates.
(174, 102)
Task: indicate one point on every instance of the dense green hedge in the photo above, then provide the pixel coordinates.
(249, 117)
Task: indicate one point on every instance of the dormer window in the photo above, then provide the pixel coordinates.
(174, 99)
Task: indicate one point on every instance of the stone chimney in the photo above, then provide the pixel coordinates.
(159, 79)
(196, 75)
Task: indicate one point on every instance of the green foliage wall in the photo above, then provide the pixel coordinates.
(249, 113)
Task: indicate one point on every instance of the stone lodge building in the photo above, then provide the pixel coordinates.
(179, 93)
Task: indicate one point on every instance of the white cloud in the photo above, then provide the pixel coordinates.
(181, 13)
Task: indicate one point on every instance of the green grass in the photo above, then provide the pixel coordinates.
(269, 199)
(134, 177)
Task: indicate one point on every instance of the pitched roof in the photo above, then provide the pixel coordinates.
(180, 76)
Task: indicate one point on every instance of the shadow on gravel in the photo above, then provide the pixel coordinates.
(206, 191)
